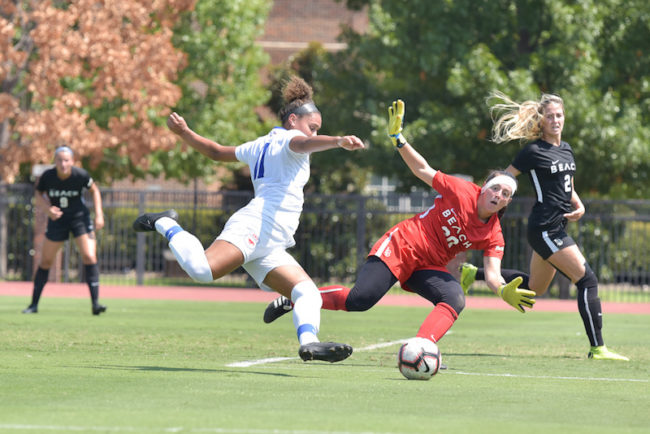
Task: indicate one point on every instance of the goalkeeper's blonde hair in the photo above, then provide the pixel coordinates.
(518, 121)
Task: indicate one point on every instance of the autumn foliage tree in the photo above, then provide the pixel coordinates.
(96, 75)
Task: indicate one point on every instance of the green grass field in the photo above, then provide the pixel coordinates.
(163, 366)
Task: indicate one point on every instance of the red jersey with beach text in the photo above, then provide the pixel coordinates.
(434, 237)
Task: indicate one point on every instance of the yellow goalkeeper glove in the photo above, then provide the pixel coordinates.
(395, 119)
(515, 296)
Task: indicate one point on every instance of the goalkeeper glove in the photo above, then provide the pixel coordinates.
(395, 119)
(515, 296)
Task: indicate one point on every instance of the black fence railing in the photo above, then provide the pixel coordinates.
(335, 234)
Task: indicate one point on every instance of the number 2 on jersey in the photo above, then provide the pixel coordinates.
(567, 183)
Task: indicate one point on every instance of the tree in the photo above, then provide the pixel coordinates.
(95, 75)
(443, 58)
(331, 172)
(221, 84)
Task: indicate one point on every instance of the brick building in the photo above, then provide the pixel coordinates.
(292, 24)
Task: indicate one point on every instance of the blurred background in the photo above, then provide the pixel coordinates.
(101, 77)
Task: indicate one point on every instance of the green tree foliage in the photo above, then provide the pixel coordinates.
(221, 83)
(444, 57)
(333, 171)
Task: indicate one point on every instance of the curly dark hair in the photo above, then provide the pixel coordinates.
(295, 93)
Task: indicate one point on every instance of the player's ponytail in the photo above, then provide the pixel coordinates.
(297, 95)
(518, 121)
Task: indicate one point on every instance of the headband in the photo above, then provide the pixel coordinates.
(304, 109)
(501, 179)
(63, 149)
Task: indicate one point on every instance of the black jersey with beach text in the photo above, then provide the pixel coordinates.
(67, 194)
(550, 170)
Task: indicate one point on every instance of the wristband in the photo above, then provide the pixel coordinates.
(401, 141)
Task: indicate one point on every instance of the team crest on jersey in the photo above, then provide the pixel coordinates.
(252, 240)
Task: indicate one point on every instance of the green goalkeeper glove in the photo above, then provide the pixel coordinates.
(515, 296)
(395, 119)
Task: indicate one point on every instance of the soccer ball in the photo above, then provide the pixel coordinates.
(418, 359)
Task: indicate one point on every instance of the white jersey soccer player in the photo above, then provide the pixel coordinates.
(257, 236)
(264, 228)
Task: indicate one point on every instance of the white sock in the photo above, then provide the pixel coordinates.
(163, 224)
(307, 303)
(190, 255)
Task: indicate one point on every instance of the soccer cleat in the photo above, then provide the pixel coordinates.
(467, 276)
(277, 308)
(326, 351)
(98, 308)
(147, 222)
(602, 353)
(31, 309)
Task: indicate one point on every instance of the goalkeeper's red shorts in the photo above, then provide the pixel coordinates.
(400, 257)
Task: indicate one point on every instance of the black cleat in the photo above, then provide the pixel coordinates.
(277, 308)
(98, 308)
(147, 221)
(31, 309)
(326, 351)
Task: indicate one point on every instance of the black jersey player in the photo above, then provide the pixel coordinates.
(550, 165)
(59, 193)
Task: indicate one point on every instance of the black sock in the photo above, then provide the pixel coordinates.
(508, 275)
(592, 314)
(92, 278)
(40, 279)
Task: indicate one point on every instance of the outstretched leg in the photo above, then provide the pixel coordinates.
(373, 282)
(201, 265)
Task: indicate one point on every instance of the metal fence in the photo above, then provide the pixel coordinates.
(335, 234)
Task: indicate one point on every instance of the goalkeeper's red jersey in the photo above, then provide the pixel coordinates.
(431, 239)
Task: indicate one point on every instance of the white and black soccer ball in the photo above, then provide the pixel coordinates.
(419, 359)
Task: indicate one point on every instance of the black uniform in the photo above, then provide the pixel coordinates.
(67, 194)
(550, 170)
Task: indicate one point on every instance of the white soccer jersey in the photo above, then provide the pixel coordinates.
(279, 176)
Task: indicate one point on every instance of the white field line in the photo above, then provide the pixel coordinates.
(247, 363)
(69, 428)
(549, 377)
